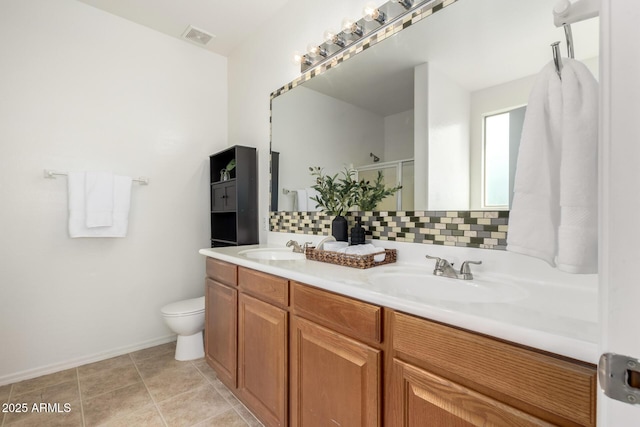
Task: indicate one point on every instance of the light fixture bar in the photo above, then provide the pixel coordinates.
(374, 20)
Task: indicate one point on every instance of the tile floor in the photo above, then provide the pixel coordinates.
(145, 388)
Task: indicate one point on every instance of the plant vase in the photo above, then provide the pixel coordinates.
(339, 228)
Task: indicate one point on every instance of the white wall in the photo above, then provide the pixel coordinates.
(448, 149)
(398, 136)
(84, 90)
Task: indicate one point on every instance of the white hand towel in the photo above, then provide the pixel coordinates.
(535, 211)
(98, 194)
(312, 205)
(302, 199)
(578, 230)
(75, 184)
(77, 214)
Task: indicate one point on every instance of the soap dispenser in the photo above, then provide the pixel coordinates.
(357, 233)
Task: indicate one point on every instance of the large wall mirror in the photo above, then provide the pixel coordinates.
(438, 107)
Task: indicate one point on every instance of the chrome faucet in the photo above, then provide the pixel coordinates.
(296, 246)
(445, 269)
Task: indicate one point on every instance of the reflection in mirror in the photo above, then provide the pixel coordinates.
(440, 105)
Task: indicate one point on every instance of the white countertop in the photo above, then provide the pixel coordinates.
(554, 317)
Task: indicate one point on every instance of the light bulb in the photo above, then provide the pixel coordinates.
(332, 37)
(372, 13)
(300, 59)
(349, 26)
(314, 50)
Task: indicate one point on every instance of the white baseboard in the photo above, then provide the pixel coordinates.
(74, 363)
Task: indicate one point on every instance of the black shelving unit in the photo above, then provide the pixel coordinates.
(234, 202)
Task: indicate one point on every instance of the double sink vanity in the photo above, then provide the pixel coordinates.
(305, 343)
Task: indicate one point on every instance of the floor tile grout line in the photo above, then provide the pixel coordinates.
(231, 409)
(231, 404)
(155, 404)
(249, 423)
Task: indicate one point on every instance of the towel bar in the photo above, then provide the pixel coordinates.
(48, 173)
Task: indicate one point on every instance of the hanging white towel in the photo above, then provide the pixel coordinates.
(302, 199)
(535, 211)
(98, 194)
(554, 211)
(77, 208)
(578, 230)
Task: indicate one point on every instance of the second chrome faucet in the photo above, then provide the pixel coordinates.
(296, 246)
(445, 269)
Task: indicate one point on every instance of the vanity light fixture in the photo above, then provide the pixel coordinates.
(375, 19)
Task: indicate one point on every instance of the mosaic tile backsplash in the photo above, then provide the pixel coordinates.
(473, 229)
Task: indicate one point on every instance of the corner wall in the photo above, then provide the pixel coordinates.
(85, 90)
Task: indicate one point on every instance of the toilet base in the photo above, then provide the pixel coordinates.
(189, 347)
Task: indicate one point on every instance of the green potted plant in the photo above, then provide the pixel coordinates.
(340, 192)
(225, 174)
(336, 195)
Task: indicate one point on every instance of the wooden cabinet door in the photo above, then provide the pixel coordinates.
(221, 330)
(262, 359)
(335, 380)
(419, 398)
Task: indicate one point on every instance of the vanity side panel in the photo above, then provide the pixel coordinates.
(553, 388)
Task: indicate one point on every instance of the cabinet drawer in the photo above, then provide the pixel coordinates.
(222, 271)
(268, 288)
(564, 390)
(351, 317)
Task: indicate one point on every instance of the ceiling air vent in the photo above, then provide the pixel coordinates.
(197, 36)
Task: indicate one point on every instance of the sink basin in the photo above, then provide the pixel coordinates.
(272, 254)
(430, 287)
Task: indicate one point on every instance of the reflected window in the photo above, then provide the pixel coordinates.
(502, 133)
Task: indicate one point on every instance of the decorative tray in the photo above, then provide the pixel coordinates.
(350, 260)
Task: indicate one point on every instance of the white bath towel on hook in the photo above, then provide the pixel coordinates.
(554, 211)
(578, 229)
(535, 211)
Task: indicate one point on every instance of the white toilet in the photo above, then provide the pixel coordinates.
(186, 318)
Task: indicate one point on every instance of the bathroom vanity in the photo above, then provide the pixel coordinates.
(299, 351)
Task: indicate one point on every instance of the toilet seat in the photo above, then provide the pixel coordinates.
(184, 308)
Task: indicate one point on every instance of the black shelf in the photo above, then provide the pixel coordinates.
(234, 202)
